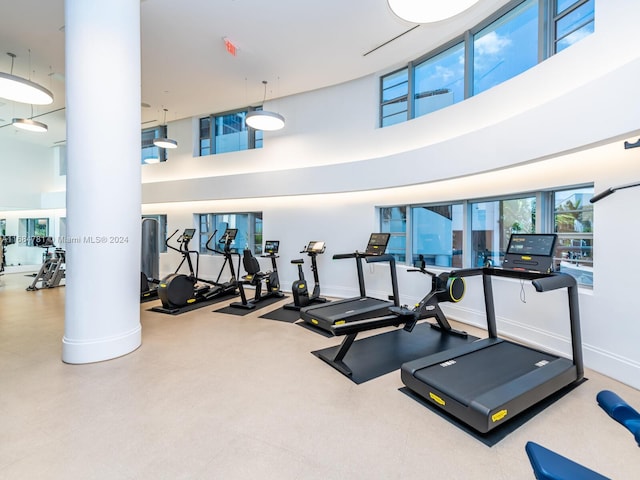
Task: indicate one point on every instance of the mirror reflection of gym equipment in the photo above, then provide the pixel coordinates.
(5, 241)
(52, 271)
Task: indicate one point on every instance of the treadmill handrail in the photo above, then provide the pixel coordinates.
(356, 254)
(554, 282)
(380, 258)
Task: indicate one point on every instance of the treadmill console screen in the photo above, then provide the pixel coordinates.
(271, 246)
(315, 247)
(377, 243)
(530, 251)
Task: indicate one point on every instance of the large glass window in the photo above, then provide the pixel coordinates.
(574, 21)
(249, 227)
(573, 222)
(437, 234)
(492, 224)
(395, 90)
(151, 153)
(33, 227)
(394, 220)
(476, 233)
(506, 47)
(502, 46)
(227, 132)
(439, 81)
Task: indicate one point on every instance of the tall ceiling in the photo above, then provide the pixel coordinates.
(294, 45)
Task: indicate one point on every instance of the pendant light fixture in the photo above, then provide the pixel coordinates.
(29, 124)
(263, 119)
(428, 11)
(165, 142)
(21, 90)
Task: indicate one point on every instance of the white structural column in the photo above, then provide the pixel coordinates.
(102, 318)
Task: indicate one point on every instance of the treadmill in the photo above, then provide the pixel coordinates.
(324, 316)
(487, 382)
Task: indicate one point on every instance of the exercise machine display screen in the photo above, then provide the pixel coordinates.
(377, 243)
(229, 234)
(530, 251)
(532, 244)
(188, 233)
(271, 246)
(315, 247)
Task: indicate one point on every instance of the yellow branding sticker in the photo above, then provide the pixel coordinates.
(436, 399)
(340, 322)
(526, 257)
(301, 285)
(314, 321)
(191, 300)
(498, 415)
(163, 285)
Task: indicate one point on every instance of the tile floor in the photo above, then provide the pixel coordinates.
(214, 396)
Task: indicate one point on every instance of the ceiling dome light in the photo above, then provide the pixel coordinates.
(264, 120)
(21, 90)
(165, 142)
(422, 11)
(29, 125)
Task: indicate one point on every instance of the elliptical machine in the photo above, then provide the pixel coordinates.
(299, 288)
(255, 277)
(229, 287)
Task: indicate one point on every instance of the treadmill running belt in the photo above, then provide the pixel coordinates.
(342, 307)
(482, 370)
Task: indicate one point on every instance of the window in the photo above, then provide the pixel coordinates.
(395, 91)
(227, 132)
(394, 220)
(573, 222)
(151, 153)
(506, 47)
(3, 227)
(33, 227)
(437, 234)
(439, 81)
(492, 224)
(162, 231)
(249, 227)
(501, 47)
(473, 233)
(574, 20)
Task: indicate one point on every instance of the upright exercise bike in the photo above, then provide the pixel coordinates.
(299, 288)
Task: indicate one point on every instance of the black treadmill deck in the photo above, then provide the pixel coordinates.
(488, 381)
(325, 315)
